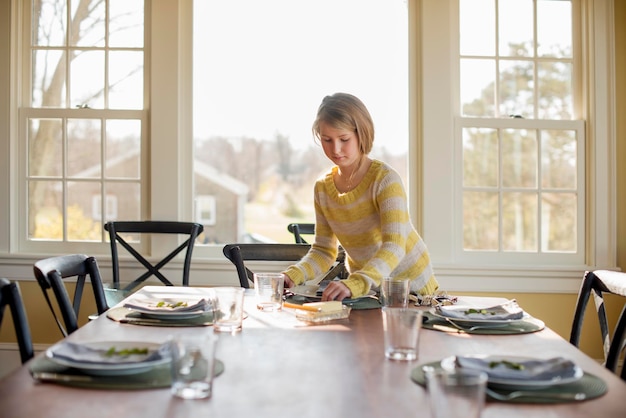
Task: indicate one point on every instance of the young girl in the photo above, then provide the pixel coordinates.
(361, 204)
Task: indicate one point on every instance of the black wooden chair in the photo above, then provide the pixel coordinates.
(123, 232)
(51, 273)
(10, 296)
(596, 283)
(298, 229)
(239, 254)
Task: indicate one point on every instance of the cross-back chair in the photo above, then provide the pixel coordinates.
(239, 254)
(597, 283)
(121, 232)
(51, 274)
(10, 296)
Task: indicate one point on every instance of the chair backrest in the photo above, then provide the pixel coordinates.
(10, 295)
(238, 254)
(301, 229)
(51, 273)
(118, 230)
(596, 283)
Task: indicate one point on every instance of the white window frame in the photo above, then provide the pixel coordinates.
(20, 100)
(440, 132)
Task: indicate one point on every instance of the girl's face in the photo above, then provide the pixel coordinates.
(341, 146)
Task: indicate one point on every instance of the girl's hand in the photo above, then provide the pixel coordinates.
(336, 291)
(288, 281)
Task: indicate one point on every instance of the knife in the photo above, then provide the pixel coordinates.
(58, 377)
(158, 322)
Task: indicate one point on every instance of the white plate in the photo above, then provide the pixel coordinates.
(101, 369)
(147, 307)
(169, 315)
(474, 322)
(449, 363)
(310, 291)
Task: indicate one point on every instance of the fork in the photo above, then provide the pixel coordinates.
(473, 328)
(576, 396)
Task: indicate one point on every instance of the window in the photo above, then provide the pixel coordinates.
(522, 153)
(511, 161)
(257, 85)
(82, 118)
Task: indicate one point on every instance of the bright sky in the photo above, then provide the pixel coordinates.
(264, 66)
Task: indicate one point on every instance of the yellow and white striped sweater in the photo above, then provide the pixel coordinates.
(373, 226)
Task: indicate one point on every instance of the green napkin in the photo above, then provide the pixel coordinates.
(125, 315)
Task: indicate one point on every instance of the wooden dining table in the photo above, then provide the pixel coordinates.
(278, 366)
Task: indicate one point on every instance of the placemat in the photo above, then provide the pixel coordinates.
(158, 377)
(127, 316)
(519, 327)
(361, 303)
(591, 385)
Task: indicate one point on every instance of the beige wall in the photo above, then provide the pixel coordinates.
(555, 309)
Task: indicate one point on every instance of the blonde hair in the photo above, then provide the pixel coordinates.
(345, 111)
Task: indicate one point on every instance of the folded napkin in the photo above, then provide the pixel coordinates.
(508, 310)
(537, 370)
(83, 353)
(169, 305)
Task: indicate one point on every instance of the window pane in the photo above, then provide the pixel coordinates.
(257, 86)
(48, 84)
(87, 79)
(125, 197)
(558, 159)
(49, 22)
(478, 84)
(126, 23)
(480, 157)
(519, 222)
(125, 80)
(81, 225)
(480, 221)
(88, 19)
(554, 41)
(517, 82)
(83, 148)
(515, 28)
(45, 147)
(45, 213)
(559, 220)
(477, 27)
(555, 88)
(519, 158)
(123, 147)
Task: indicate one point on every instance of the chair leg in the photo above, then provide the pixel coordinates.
(581, 306)
(618, 344)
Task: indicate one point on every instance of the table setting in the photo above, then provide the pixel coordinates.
(522, 379)
(108, 365)
(186, 307)
(479, 315)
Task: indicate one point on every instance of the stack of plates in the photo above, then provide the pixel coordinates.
(108, 358)
(518, 372)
